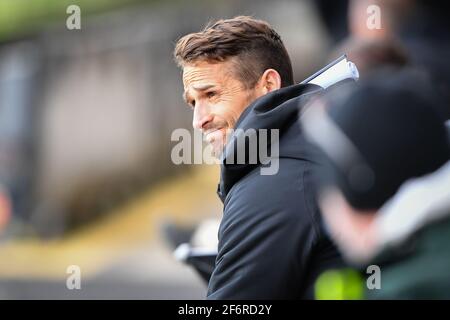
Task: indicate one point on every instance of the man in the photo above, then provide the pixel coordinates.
(237, 75)
(386, 194)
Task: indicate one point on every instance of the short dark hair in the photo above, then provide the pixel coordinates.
(254, 43)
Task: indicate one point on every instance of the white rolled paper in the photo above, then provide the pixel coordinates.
(339, 71)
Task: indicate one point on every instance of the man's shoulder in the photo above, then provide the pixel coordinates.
(286, 180)
(283, 195)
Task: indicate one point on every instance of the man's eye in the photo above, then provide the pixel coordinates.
(191, 103)
(210, 94)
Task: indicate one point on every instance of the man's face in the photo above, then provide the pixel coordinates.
(217, 98)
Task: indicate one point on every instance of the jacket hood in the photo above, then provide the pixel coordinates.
(267, 120)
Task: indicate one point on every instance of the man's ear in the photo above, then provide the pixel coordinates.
(270, 81)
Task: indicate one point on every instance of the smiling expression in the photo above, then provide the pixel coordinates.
(217, 99)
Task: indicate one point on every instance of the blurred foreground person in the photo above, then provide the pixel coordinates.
(237, 75)
(385, 187)
(420, 27)
(373, 54)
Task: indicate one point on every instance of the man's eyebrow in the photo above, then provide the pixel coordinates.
(203, 87)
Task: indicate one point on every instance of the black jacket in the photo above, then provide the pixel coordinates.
(271, 241)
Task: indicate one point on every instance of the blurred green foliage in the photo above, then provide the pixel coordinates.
(22, 17)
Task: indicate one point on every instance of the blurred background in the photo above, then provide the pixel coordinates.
(86, 118)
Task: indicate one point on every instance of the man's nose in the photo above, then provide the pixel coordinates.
(202, 116)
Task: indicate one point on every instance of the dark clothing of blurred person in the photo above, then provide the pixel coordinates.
(414, 256)
(332, 14)
(424, 30)
(237, 75)
(447, 124)
(385, 182)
